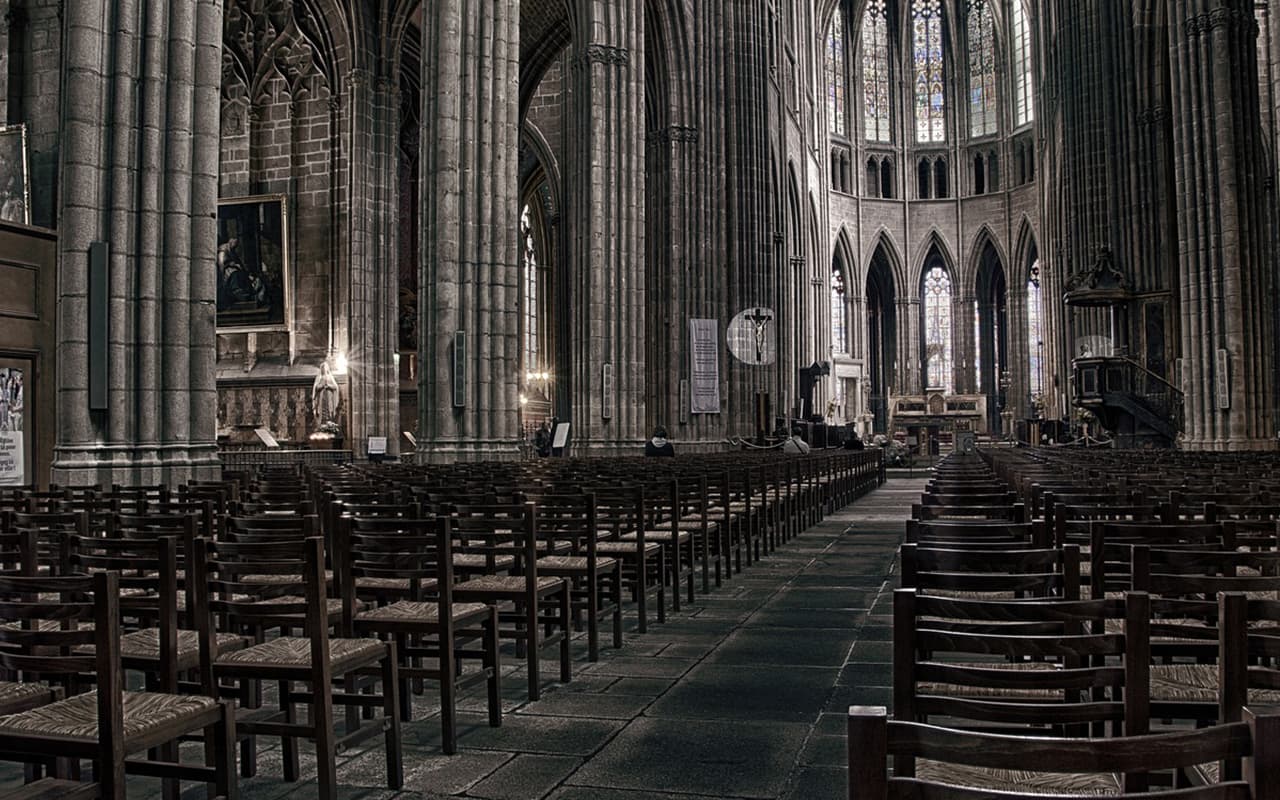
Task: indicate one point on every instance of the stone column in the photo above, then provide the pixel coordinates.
(139, 172)
(372, 121)
(470, 224)
(606, 207)
(1225, 258)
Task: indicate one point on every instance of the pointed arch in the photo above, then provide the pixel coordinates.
(982, 238)
(934, 240)
(1025, 241)
(936, 288)
(883, 240)
(844, 250)
(794, 218)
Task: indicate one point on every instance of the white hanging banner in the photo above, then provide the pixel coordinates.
(12, 459)
(704, 366)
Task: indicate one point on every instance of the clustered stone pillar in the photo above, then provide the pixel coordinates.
(139, 173)
(1223, 222)
(372, 120)
(470, 264)
(607, 225)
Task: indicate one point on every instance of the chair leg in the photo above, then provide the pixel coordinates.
(617, 605)
(448, 699)
(566, 636)
(492, 660)
(250, 697)
(642, 590)
(691, 567)
(321, 719)
(662, 585)
(220, 752)
(593, 617)
(289, 744)
(391, 710)
(531, 647)
(675, 570)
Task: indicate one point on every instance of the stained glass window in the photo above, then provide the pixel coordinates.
(875, 71)
(837, 106)
(1035, 331)
(839, 312)
(1024, 110)
(529, 261)
(937, 328)
(982, 69)
(926, 38)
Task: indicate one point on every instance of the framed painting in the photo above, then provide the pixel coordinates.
(254, 291)
(15, 176)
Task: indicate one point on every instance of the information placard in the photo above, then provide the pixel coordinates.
(704, 366)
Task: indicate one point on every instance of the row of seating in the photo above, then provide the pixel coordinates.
(233, 603)
(1076, 636)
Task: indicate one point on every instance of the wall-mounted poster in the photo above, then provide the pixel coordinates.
(253, 263)
(15, 181)
(15, 455)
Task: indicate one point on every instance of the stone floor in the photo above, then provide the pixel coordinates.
(740, 696)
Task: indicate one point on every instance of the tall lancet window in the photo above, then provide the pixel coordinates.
(982, 69)
(839, 312)
(529, 260)
(1024, 110)
(937, 328)
(931, 102)
(875, 71)
(837, 76)
(1035, 331)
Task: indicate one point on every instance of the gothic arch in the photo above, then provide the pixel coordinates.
(843, 250)
(883, 239)
(1024, 246)
(795, 222)
(933, 240)
(984, 238)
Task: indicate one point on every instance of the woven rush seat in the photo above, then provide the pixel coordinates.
(479, 561)
(412, 610)
(625, 547)
(16, 696)
(1198, 683)
(575, 563)
(144, 645)
(658, 536)
(1009, 780)
(292, 651)
(694, 523)
(77, 717)
(395, 584)
(513, 584)
(270, 579)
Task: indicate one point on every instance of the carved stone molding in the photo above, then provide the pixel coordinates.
(672, 133)
(602, 54)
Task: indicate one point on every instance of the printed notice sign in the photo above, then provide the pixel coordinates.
(704, 366)
(12, 459)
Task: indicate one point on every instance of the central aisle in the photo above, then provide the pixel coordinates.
(742, 695)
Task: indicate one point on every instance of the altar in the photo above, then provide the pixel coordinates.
(929, 421)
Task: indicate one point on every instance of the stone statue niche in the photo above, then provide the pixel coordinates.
(325, 399)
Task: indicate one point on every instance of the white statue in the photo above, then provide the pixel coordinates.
(324, 396)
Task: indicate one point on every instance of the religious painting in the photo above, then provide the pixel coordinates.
(16, 467)
(253, 263)
(15, 181)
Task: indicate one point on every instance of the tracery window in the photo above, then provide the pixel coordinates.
(875, 71)
(1035, 331)
(930, 94)
(837, 103)
(982, 69)
(529, 260)
(937, 328)
(1023, 99)
(839, 312)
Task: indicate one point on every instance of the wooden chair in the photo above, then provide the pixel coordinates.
(526, 600)
(1042, 667)
(297, 600)
(595, 581)
(432, 632)
(106, 725)
(620, 512)
(873, 739)
(992, 574)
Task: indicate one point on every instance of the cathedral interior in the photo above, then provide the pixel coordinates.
(241, 234)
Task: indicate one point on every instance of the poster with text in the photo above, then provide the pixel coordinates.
(704, 366)
(13, 453)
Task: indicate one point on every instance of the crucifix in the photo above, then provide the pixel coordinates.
(759, 318)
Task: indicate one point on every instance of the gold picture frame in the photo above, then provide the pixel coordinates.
(254, 277)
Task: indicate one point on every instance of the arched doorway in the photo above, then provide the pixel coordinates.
(882, 343)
